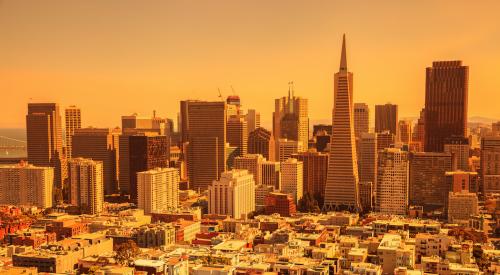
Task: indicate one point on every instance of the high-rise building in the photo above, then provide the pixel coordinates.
(253, 120)
(446, 93)
(233, 194)
(158, 190)
(252, 163)
(99, 144)
(367, 161)
(292, 178)
(385, 139)
(314, 172)
(44, 141)
(366, 195)
(261, 192)
(392, 182)
(73, 121)
(286, 148)
(146, 152)
(490, 168)
(271, 174)
(404, 131)
(386, 118)
(428, 179)
(237, 134)
(461, 206)
(233, 106)
(206, 158)
(341, 189)
(458, 181)
(261, 141)
(322, 141)
(86, 184)
(25, 184)
(459, 149)
(290, 119)
(361, 119)
(134, 121)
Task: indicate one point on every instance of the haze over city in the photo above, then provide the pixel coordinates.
(115, 58)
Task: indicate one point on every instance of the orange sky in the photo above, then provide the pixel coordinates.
(113, 58)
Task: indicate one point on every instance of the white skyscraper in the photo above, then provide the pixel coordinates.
(158, 190)
(252, 163)
(233, 194)
(393, 182)
(87, 185)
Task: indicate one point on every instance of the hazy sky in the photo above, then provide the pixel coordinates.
(114, 58)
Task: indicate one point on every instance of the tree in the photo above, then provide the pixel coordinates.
(126, 252)
(308, 204)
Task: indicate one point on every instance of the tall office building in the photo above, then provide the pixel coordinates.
(459, 148)
(25, 184)
(146, 152)
(99, 144)
(366, 195)
(237, 134)
(73, 121)
(233, 194)
(386, 118)
(404, 131)
(290, 118)
(461, 206)
(233, 106)
(253, 120)
(286, 148)
(367, 162)
(44, 141)
(385, 139)
(446, 93)
(458, 181)
(341, 189)
(292, 178)
(392, 182)
(134, 121)
(158, 190)
(428, 179)
(418, 135)
(314, 172)
(261, 141)
(271, 174)
(252, 163)
(361, 119)
(207, 142)
(490, 170)
(87, 185)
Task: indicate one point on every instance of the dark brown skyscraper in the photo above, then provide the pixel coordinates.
(315, 172)
(206, 123)
(261, 141)
(44, 137)
(446, 92)
(386, 118)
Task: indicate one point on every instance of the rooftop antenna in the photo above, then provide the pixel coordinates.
(220, 95)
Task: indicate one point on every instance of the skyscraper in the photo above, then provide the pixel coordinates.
(367, 162)
(386, 118)
(73, 121)
(361, 119)
(252, 163)
(490, 170)
(207, 142)
(86, 184)
(99, 144)
(459, 148)
(392, 182)
(253, 120)
(237, 134)
(25, 184)
(158, 190)
(315, 171)
(446, 93)
(404, 131)
(428, 186)
(233, 194)
(292, 179)
(385, 139)
(44, 141)
(286, 148)
(341, 189)
(271, 174)
(290, 118)
(261, 141)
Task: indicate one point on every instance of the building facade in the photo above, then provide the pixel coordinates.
(233, 194)
(158, 190)
(87, 185)
(392, 182)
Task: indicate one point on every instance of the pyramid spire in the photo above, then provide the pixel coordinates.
(343, 57)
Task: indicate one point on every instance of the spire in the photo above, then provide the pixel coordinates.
(343, 57)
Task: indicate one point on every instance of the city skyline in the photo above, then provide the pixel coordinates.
(257, 58)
